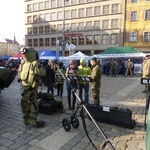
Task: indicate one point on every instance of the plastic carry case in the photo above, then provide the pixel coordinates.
(47, 104)
(112, 115)
(6, 77)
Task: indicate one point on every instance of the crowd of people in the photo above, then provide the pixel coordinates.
(122, 67)
(77, 68)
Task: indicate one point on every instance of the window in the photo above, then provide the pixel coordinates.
(29, 8)
(60, 15)
(35, 42)
(147, 14)
(147, 37)
(34, 18)
(81, 25)
(30, 42)
(81, 40)
(105, 9)
(67, 28)
(46, 29)
(133, 37)
(59, 28)
(74, 40)
(115, 8)
(53, 41)
(97, 10)
(89, 11)
(41, 42)
(35, 30)
(53, 3)
(47, 17)
(89, 25)
(74, 26)
(105, 39)
(73, 2)
(34, 6)
(59, 3)
(53, 16)
(89, 0)
(97, 39)
(89, 40)
(47, 42)
(30, 31)
(67, 16)
(41, 30)
(114, 23)
(114, 39)
(97, 24)
(73, 13)
(41, 18)
(53, 28)
(29, 19)
(133, 16)
(81, 12)
(46, 4)
(81, 1)
(134, 1)
(40, 5)
(105, 24)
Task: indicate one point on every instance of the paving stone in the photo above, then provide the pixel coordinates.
(14, 146)
(116, 88)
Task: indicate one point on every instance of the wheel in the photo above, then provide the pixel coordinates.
(75, 122)
(66, 124)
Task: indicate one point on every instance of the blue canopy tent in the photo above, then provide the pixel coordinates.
(48, 54)
(5, 57)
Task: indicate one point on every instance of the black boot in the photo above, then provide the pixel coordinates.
(40, 124)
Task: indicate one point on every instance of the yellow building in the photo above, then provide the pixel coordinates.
(137, 25)
(3, 47)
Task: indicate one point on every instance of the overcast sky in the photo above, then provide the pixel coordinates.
(12, 19)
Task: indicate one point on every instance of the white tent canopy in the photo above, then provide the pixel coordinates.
(78, 55)
(120, 55)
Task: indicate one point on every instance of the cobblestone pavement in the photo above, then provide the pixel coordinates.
(120, 91)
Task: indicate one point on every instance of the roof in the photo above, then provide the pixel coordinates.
(120, 50)
(9, 41)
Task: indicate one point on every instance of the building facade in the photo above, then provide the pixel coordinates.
(13, 47)
(90, 25)
(137, 25)
(3, 47)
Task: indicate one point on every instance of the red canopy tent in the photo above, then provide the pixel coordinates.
(19, 55)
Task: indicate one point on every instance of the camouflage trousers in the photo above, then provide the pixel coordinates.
(29, 105)
(95, 96)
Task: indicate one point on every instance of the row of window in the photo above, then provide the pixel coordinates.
(104, 39)
(135, 1)
(83, 12)
(134, 15)
(89, 25)
(133, 37)
(54, 4)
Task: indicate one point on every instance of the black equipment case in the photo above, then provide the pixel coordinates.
(112, 115)
(6, 77)
(47, 104)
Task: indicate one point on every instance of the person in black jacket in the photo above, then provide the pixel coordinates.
(50, 71)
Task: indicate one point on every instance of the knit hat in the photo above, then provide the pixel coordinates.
(82, 60)
(94, 58)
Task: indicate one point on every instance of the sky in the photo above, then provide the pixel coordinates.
(12, 19)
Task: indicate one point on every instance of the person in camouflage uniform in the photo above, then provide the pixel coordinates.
(112, 68)
(29, 73)
(96, 80)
